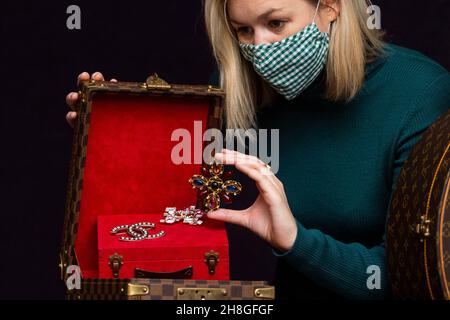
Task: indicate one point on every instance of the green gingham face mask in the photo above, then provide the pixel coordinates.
(291, 64)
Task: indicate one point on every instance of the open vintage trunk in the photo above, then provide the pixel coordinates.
(122, 173)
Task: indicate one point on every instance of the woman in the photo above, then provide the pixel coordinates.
(349, 108)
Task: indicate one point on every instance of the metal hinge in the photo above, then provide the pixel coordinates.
(212, 259)
(115, 263)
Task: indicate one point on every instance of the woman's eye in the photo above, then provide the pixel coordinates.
(277, 24)
(244, 30)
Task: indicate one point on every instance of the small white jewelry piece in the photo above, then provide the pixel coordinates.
(190, 215)
(169, 216)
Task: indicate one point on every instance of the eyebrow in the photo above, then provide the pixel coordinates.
(262, 16)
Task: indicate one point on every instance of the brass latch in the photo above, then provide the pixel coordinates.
(423, 228)
(134, 290)
(202, 294)
(154, 82)
(265, 293)
(115, 263)
(212, 259)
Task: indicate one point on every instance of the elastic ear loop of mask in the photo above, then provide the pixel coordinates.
(317, 10)
(315, 16)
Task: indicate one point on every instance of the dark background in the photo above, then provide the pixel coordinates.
(40, 59)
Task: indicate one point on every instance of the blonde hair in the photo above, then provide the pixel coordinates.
(352, 46)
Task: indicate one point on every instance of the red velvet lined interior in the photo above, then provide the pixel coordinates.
(128, 165)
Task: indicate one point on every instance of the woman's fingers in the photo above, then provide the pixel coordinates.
(231, 153)
(84, 76)
(235, 157)
(239, 160)
(71, 117)
(266, 169)
(98, 76)
(267, 188)
(72, 99)
(232, 158)
(230, 216)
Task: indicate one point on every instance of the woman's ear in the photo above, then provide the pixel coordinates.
(331, 9)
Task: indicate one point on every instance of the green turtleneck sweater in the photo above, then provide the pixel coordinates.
(339, 163)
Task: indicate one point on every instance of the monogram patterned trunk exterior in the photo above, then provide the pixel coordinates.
(418, 229)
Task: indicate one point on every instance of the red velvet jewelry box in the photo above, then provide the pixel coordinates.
(180, 252)
(122, 172)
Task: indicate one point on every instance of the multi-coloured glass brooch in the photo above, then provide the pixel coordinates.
(214, 186)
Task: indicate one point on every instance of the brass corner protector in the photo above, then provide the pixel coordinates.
(137, 290)
(265, 293)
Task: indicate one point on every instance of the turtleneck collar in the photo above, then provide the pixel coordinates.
(316, 91)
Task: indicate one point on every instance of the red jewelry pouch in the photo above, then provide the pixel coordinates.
(123, 172)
